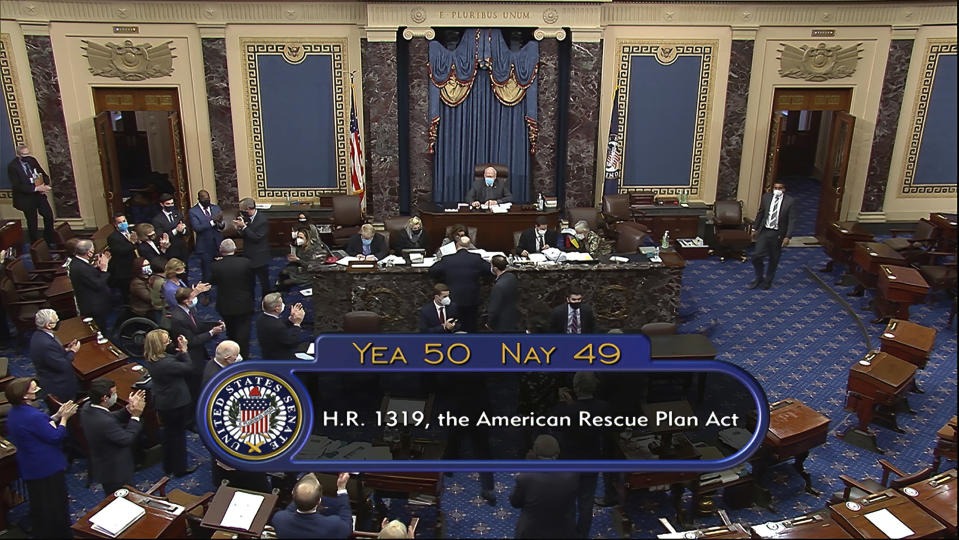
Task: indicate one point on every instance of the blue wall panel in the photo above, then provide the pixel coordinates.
(660, 121)
(7, 149)
(299, 138)
(937, 155)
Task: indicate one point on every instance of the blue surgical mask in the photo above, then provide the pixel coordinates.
(367, 241)
(489, 181)
(123, 226)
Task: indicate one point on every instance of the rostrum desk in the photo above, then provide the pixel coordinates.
(494, 231)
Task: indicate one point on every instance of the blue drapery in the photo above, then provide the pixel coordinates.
(478, 127)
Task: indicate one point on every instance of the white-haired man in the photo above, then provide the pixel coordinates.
(52, 361)
(234, 278)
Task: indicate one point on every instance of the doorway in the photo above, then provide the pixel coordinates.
(808, 147)
(141, 149)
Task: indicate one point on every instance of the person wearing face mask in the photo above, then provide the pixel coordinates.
(254, 227)
(488, 191)
(111, 435)
(39, 439)
(175, 274)
(141, 299)
(206, 222)
(439, 316)
(502, 313)
(584, 240)
(171, 396)
(235, 283)
(573, 317)
(52, 361)
(123, 245)
(310, 251)
(536, 238)
(280, 337)
(367, 245)
(456, 232)
(462, 271)
(170, 221)
(412, 236)
(30, 184)
(185, 321)
(151, 246)
(773, 228)
(90, 281)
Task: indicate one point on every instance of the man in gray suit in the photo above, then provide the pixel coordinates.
(774, 226)
(489, 190)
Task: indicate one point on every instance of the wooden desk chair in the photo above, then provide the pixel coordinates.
(938, 268)
(43, 257)
(588, 214)
(21, 305)
(856, 489)
(922, 238)
(347, 218)
(100, 237)
(410, 529)
(658, 329)
(730, 230)
(394, 227)
(194, 506)
(22, 277)
(946, 445)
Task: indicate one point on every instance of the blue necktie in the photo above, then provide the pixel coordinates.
(26, 167)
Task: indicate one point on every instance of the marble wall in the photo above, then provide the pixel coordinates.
(421, 161)
(54, 127)
(382, 138)
(221, 120)
(585, 76)
(734, 119)
(887, 121)
(544, 160)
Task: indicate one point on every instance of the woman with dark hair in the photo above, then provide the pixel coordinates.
(456, 232)
(141, 301)
(171, 396)
(40, 458)
(308, 251)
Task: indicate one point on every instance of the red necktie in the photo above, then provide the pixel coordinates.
(442, 314)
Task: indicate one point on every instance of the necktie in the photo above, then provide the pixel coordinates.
(442, 315)
(206, 211)
(26, 167)
(539, 242)
(192, 319)
(169, 216)
(773, 222)
(574, 322)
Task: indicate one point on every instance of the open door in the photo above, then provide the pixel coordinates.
(178, 176)
(776, 129)
(109, 163)
(834, 176)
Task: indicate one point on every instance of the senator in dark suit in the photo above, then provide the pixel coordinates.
(184, 321)
(171, 396)
(27, 196)
(547, 500)
(537, 238)
(303, 518)
(227, 352)
(502, 313)
(573, 317)
(122, 252)
(775, 224)
(203, 222)
(235, 285)
(440, 315)
(91, 285)
(280, 337)
(110, 435)
(485, 190)
(150, 246)
(461, 271)
(254, 226)
(172, 222)
(366, 243)
(53, 363)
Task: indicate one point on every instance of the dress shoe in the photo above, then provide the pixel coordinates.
(489, 495)
(767, 285)
(186, 471)
(753, 284)
(604, 502)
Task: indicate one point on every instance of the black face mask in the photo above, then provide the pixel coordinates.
(204, 202)
(574, 305)
(168, 207)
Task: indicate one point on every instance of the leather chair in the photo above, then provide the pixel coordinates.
(629, 238)
(347, 218)
(941, 276)
(588, 214)
(856, 489)
(386, 238)
(730, 230)
(21, 305)
(922, 238)
(45, 258)
(21, 277)
(658, 329)
(471, 231)
(63, 232)
(502, 171)
(394, 226)
(100, 237)
(361, 322)
(616, 209)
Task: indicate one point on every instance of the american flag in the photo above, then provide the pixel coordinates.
(357, 178)
(613, 154)
(250, 408)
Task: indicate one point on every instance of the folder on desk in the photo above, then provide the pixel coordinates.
(116, 517)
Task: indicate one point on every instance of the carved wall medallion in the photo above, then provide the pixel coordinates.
(129, 62)
(818, 63)
(294, 53)
(417, 15)
(550, 16)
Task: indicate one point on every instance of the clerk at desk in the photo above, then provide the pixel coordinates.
(489, 190)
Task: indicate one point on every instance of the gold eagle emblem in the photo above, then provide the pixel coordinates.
(818, 63)
(129, 62)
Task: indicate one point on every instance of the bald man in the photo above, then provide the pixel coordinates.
(302, 519)
(489, 190)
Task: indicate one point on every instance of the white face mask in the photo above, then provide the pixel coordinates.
(282, 308)
(111, 402)
(445, 301)
(300, 241)
(580, 236)
(777, 192)
(239, 358)
(147, 270)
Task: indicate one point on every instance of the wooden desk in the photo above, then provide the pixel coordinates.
(155, 523)
(11, 235)
(909, 341)
(284, 219)
(682, 449)
(8, 475)
(946, 230)
(734, 530)
(124, 377)
(867, 257)
(220, 503)
(855, 522)
(840, 240)
(937, 496)
(794, 430)
(945, 443)
(898, 288)
(494, 231)
(93, 360)
(682, 347)
(60, 295)
(75, 329)
(883, 380)
(681, 222)
(815, 525)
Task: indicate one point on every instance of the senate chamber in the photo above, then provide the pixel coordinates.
(536, 269)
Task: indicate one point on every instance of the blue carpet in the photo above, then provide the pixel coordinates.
(795, 339)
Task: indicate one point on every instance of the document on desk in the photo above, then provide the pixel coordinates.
(578, 257)
(889, 524)
(537, 258)
(447, 249)
(427, 262)
(307, 291)
(394, 259)
(500, 209)
(116, 517)
(345, 261)
(242, 510)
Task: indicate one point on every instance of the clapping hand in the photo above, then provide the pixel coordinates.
(341, 480)
(66, 410)
(297, 313)
(201, 287)
(180, 227)
(103, 261)
(449, 325)
(291, 257)
(220, 327)
(165, 241)
(73, 346)
(182, 343)
(136, 403)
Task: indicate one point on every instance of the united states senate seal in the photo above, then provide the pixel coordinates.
(254, 415)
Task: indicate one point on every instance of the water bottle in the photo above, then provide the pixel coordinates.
(665, 244)
(541, 202)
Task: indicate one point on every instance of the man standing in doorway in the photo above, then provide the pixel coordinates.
(774, 227)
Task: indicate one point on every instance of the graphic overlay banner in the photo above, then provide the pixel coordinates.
(397, 402)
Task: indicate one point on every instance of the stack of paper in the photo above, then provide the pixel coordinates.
(487, 255)
(427, 262)
(447, 249)
(393, 259)
(116, 517)
(537, 257)
(243, 508)
(578, 257)
(345, 261)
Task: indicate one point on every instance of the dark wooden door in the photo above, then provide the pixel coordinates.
(774, 145)
(834, 176)
(109, 163)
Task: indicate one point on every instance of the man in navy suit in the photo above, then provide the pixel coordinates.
(89, 278)
(52, 361)
(488, 191)
(439, 316)
(366, 245)
(111, 435)
(280, 337)
(171, 222)
(547, 500)
(774, 226)
(123, 249)
(184, 321)
(30, 184)
(537, 238)
(502, 314)
(461, 271)
(255, 228)
(303, 519)
(204, 220)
